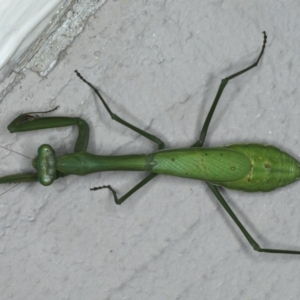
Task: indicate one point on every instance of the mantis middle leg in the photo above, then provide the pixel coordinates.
(147, 135)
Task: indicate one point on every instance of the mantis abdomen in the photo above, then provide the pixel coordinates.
(247, 167)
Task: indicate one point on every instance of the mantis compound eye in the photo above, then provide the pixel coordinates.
(45, 164)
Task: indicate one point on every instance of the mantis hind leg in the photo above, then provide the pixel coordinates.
(249, 238)
(147, 135)
(213, 188)
(222, 86)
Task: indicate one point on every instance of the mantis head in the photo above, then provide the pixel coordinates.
(45, 164)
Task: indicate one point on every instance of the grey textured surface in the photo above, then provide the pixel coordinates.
(159, 64)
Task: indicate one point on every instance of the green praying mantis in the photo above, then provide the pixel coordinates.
(247, 167)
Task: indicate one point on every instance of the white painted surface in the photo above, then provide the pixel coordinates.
(159, 65)
(35, 33)
(21, 24)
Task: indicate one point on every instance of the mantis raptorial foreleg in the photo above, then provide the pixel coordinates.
(31, 121)
(147, 135)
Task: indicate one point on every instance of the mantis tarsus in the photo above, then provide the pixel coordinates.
(248, 167)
